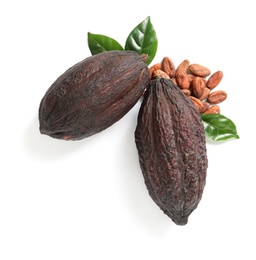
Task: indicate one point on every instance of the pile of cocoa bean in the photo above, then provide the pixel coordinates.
(195, 81)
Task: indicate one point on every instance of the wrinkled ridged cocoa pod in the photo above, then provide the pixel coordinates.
(93, 94)
(171, 145)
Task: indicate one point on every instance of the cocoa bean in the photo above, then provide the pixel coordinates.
(171, 145)
(187, 92)
(182, 68)
(197, 103)
(213, 110)
(198, 86)
(217, 97)
(160, 74)
(214, 80)
(205, 106)
(183, 81)
(199, 70)
(154, 67)
(168, 67)
(205, 94)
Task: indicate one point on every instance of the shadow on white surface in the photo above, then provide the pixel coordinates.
(45, 147)
(143, 209)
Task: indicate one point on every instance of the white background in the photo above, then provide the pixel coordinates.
(87, 199)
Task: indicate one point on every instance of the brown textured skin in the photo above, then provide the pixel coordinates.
(172, 151)
(93, 94)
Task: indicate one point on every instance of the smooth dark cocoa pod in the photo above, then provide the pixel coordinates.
(171, 145)
(93, 94)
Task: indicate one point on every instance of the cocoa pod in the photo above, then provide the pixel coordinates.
(93, 94)
(171, 145)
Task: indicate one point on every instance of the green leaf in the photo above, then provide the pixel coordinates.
(219, 127)
(99, 43)
(143, 39)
